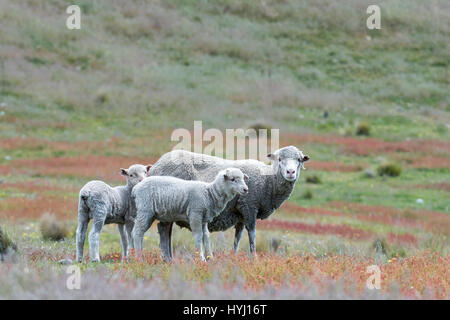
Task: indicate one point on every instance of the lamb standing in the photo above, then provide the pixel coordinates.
(269, 187)
(104, 204)
(195, 203)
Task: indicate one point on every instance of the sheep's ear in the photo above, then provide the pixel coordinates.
(246, 177)
(124, 172)
(148, 168)
(305, 158)
(225, 174)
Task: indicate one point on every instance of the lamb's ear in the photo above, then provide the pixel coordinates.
(273, 156)
(246, 177)
(305, 158)
(148, 168)
(124, 172)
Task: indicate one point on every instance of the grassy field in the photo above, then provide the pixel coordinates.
(77, 105)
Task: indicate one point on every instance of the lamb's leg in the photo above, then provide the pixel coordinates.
(123, 240)
(237, 236)
(94, 239)
(142, 223)
(251, 229)
(206, 242)
(165, 240)
(197, 231)
(129, 229)
(83, 221)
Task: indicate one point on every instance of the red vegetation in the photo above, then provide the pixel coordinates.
(17, 208)
(367, 146)
(36, 187)
(99, 167)
(432, 220)
(332, 166)
(33, 143)
(402, 238)
(317, 228)
(429, 162)
(435, 186)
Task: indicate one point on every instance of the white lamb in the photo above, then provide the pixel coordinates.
(105, 204)
(171, 199)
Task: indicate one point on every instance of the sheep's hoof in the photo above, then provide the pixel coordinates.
(65, 262)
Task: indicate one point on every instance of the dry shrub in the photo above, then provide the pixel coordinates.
(5, 242)
(363, 129)
(308, 194)
(52, 229)
(315, 179)
(389, 169)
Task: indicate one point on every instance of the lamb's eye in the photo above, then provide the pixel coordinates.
(279, 159)
(131, 175)
(233, 179)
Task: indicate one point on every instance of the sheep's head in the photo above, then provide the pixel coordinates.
(288, 161)
(235, 180)
(135, 174)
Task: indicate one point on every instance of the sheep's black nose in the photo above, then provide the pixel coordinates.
(290, 171)
(245, 190)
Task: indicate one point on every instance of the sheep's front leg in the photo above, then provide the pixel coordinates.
(206, 242)
(251, 229)
(83, 221)
(197, 231)
(129, 229)
(94, 239)
(165, 240)
(123, 240)
(237, 236)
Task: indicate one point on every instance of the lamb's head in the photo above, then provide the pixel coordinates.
(288, 161)
(135, 174)
(234, 180)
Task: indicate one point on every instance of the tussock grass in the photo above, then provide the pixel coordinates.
(53, 229)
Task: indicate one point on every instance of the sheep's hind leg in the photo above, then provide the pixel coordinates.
(123, 240)
(142, 223)
(237, 236)
(94, 239)
(83, 221)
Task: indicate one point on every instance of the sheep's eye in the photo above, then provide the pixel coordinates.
(279, 159)
(233, 179)
(131, 175)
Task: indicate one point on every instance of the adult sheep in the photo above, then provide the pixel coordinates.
(269, 186)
